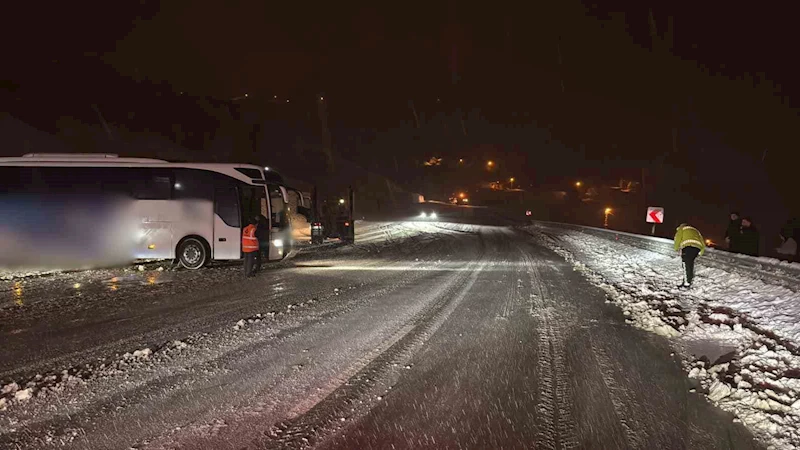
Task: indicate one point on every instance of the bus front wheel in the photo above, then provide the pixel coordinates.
(192, 253)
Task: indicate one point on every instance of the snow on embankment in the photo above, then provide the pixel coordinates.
(740, 332)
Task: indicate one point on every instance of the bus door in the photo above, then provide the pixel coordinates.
(254, 203)
(281, 230)
(227, 223)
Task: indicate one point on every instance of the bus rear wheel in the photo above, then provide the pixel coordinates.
(193, 253)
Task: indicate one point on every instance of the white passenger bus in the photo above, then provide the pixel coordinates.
(192, 212)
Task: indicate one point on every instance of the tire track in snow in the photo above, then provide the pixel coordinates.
(645, 427)
(507, 306)
(325, 417)
(536, 300)
(568, 435)
(555, 395)
(546, 407)
(635, 433)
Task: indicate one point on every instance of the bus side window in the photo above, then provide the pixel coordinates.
(154, 185)
(117, 180)
(68, 180)
(18, 180)
(195, 184)
(226, 205)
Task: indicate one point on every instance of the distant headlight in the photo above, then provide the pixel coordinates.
(433, 215)
(278, 242)
(423, 215)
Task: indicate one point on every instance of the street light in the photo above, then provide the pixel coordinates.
(608, 212)
(341, 201)
(462, 195)
(460, 160)
(511, 180)
(578, 184)
(490, 164)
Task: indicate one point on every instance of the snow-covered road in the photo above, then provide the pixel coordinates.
(423, 335)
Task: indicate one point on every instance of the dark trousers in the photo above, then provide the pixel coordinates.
(688, 255)
(263, 254)
(251, 259)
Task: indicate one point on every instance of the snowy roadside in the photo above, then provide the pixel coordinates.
(740, 336)
(138, 265)
(96, 378)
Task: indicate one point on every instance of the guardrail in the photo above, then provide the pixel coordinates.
(781, 272)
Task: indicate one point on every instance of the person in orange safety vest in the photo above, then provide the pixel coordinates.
(250, 248)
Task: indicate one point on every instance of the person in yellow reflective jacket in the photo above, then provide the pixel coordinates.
(690, 243)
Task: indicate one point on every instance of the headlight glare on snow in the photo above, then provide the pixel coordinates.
(278, 242)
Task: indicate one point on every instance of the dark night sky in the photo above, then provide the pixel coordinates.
(728, 77)
(406, 49)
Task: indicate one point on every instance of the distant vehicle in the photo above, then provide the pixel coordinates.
(193, 212)
(333, 217)
(461, 199)
(431, 216)
(528, 213)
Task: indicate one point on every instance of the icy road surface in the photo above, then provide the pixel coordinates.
(424, 335)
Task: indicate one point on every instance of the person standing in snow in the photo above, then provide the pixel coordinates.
(690, 243)
(748, 239)
(733, 232)
(250, 247)
(262, 234)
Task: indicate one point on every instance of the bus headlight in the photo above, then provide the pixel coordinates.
(278, 243)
